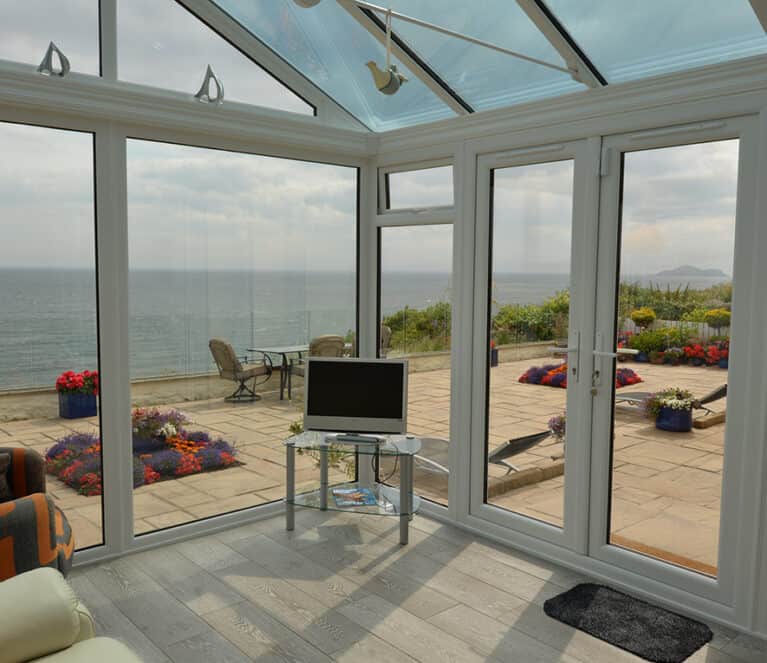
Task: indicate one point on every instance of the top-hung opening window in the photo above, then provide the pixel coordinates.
(403, 188)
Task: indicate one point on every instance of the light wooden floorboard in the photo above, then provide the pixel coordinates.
(341, 588)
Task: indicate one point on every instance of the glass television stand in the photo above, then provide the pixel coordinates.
(389, 501)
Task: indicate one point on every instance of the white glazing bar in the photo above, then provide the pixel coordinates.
(112, 253)
(108, 38)
(579, 70)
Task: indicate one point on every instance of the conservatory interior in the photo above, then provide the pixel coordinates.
(553, 210)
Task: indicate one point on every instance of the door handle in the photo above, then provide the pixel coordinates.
(600, 353)
(573, 345)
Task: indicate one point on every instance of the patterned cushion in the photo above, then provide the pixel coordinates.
(34, 533)
(5, 489)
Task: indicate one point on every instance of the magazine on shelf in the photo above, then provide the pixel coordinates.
(354, 497)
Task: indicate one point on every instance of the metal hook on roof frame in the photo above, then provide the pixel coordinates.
(48, 66)
(204, 93)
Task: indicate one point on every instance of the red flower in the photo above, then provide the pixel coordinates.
(150, 476)
(86, 382)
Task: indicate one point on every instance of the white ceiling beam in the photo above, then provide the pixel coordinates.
(579, 69)
(760, 9)
(413, 65)
(328, 109)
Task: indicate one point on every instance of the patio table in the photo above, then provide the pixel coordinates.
(284, 351)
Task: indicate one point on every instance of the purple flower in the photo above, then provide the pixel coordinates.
(557, 426)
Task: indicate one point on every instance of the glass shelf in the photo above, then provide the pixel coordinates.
(387, 499)
(393, 445)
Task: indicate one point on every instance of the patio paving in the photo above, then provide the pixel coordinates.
(666, 486)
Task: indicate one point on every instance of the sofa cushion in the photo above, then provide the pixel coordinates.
(97, 650)
(40, 615)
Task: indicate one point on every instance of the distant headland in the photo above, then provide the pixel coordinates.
(689, 270)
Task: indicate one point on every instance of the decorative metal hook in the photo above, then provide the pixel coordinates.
(204, 93)
(48, 67)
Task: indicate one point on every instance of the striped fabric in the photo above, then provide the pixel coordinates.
(33, 531)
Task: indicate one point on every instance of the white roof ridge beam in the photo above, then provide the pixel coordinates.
(424, 76)
(328, 110)
(579, 70)
(760, 9)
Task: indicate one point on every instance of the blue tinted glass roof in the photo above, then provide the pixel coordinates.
(330, 48)
(483, 77)
(627, 39)
(618, 40)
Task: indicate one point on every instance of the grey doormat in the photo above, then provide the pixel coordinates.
(646, 630)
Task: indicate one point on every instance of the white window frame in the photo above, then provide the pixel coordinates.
(420, 214)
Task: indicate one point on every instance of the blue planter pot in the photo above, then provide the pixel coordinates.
(493, 357)
(697, 361)
(723, 363)
(676, 421)
(76, 405)
(642, 357)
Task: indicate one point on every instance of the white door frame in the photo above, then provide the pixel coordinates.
(735, 510)
(584, 154)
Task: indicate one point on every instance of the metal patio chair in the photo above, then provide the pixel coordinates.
(327, 345)
(230, 367)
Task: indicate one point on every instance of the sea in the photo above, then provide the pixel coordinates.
(48, 317)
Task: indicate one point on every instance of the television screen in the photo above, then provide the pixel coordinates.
(356, 395)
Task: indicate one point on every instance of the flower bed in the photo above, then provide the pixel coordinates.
(162, 449)
(555, 375)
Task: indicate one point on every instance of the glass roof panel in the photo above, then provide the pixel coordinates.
(330, 48)
(483, 77)
(675, 34)
(26, 29)
(162, 44)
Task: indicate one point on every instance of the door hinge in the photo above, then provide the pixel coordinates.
(604, 162)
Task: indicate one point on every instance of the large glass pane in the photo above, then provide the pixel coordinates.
(48, 325)
(259, 252)
(28, 27)
(428, 187)
(529, 308)
(676, 34)
(162, 44)
(484, 77)
(331, 49)
(416, 268)
(676, 258)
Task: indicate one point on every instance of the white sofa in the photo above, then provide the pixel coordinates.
(43, 620)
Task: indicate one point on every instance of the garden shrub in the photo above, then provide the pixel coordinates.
(717, 318)
(643, 317)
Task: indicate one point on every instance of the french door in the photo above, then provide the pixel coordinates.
(534, 311)
(571, 241)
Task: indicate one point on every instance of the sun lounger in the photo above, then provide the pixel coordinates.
(639, 397)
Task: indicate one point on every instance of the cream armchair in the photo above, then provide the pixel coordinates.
(43, 620)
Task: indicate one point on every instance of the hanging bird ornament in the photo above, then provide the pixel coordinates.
(387, 80)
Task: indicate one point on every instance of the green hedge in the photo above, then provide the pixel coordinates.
(428, 330)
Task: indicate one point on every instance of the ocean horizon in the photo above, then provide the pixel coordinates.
(48, 322)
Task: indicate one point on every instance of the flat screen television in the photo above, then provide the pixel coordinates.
(348, 395)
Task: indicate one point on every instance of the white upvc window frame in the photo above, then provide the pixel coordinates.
(417, 215)
(111, 231)
(380, 217)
